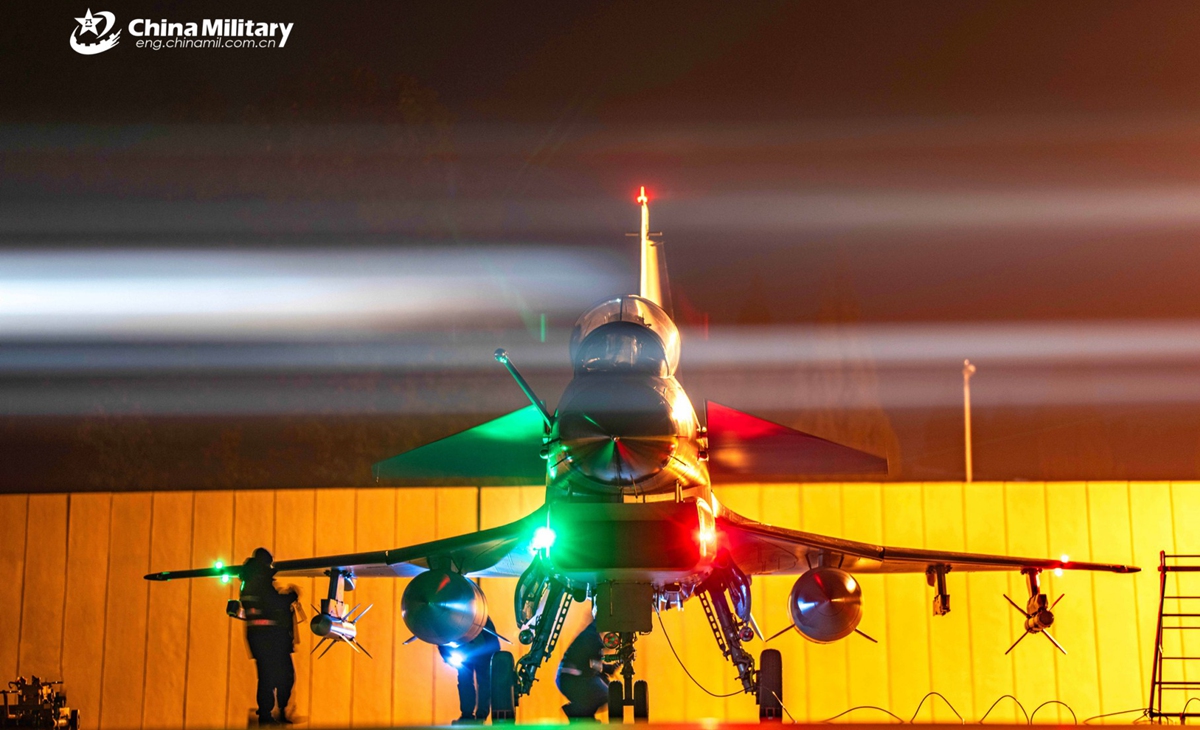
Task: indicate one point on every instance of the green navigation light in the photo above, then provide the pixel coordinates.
(543, 539)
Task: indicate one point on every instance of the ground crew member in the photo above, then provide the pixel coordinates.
(473, 662)
(269, 632)
(583, 675)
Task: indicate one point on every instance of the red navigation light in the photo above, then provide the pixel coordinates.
(706, 536)
(642, 199)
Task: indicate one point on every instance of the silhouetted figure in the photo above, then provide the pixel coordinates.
(269, 633)
(583, 675)
(473, 661)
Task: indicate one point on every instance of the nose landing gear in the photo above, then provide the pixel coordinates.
(625, 692)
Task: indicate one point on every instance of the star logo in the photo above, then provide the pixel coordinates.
(88, 23)
(101, 26)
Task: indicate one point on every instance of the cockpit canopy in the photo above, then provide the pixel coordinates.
(625, 335)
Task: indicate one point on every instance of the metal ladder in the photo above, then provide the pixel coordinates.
(1185, 607)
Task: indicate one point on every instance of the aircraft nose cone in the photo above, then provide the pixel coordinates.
(617, 436)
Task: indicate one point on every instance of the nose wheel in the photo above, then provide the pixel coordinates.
(617, 701)
(625, 692)
(641, 701)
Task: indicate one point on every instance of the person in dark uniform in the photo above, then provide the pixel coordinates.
(583, 675)
(269, 632)
(473, 662)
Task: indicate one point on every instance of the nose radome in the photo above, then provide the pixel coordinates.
(617, 436)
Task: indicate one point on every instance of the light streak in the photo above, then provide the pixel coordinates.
(238, 295)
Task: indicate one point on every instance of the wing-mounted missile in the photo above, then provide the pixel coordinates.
(339, 628)
(1038, 611)
(746, 448)
(332, 622)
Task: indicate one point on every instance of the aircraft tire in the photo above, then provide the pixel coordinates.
(770, 686)
(616, 702)
(641, 701)
(504, 688)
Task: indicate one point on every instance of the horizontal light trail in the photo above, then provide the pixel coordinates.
(182, 295)
(764, 213)
(281, 342)
(767, 392)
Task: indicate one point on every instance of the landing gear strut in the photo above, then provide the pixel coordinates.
(730, 626)
(625, 692)
(511, 679)
(725, 597)
(543, 637)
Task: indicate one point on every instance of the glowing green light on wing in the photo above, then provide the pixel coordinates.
(543, 539)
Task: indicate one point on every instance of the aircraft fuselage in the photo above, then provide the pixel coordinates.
(625, 429)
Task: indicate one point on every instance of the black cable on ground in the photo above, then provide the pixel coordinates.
(679, 659)
(864, 707)
(1014, 699)
(1183, 712)
(1053, 702)
(1144, 710)
(943, 698)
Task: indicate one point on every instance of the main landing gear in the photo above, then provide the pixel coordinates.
(504, 688)
(769, 686)
(542, 602)
(725, 597)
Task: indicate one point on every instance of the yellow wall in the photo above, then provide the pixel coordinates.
(135, 654)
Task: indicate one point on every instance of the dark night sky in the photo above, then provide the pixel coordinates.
(616, 63)
(894, 163)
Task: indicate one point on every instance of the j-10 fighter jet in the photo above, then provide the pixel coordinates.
(630, 520)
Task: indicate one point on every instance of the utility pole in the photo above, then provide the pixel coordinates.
(968, 371)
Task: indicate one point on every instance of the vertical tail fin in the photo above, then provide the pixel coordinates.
(654, 283)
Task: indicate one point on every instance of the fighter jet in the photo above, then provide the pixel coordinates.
(631, 521)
